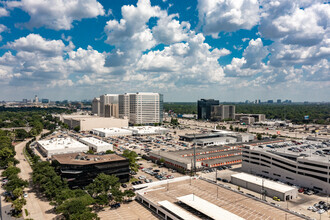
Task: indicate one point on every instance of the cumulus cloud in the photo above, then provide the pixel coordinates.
(57, 15)
(227, 15)
(251, 62)
(3, 28)
(4, 12)
(295, 22)
(39, 61)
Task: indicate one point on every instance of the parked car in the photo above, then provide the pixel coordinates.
(116, 205)
(124, 185)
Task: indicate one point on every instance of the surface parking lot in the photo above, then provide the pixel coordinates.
(128, 211)
(236, 203)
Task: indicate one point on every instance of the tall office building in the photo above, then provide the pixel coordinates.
(111, 110)
(107, 99)
(96, 106)
(36, 99)
(145, 108)
(221, 112)
(279, 101)
(204, 108)
(124, 107)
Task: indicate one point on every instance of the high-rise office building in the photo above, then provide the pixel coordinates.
(124, 105)
(107, 99)
(96, 106)
(204, 108)
(36, 99)
(44, 101)
(221, 112)
(111, 110)
(279, 101)
(145, 108)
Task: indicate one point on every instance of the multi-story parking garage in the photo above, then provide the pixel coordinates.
(306, 165)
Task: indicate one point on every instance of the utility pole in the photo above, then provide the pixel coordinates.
(194, 155)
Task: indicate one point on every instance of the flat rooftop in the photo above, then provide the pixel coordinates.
(207, 208)
(235, 203)
(310, 150)
(86, 159)
(216, 139)
(112, 130)
(266, 183)
(61, 143)
(96, 142)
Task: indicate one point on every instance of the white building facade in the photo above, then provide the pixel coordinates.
(301, 169)
(61, 146)
(96, 145)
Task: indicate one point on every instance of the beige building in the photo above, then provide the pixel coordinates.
(87, 122)
(111, 110)
(221, 112)
(247, 120)
(96, 106)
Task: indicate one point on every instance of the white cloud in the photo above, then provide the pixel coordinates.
(38, 61)
(3, 28)
(34, 43)
(227, 15)
(252, 61)
(57, 15)
(295, 22)
(169, 30)
(4, 12)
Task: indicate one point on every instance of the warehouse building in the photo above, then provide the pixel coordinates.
(215, 141)
(306, 165)
(96, 145)
(264, 187)
(183, 160)
(217, 136)
(88, 122)
(60, 146)
(80, 169)
(111, 132)
(147, 130)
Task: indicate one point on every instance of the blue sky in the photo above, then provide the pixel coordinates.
(231, 50)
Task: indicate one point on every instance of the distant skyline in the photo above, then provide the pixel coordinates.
(230, 50)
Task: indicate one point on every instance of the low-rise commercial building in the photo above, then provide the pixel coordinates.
(96, 145)
(88, 122)
(306, 165)
(247, 120)
(80, 169)
(264, 187)
(183, 160)
(55, 146)
(257, 117)
(147, 130)
(111, 132)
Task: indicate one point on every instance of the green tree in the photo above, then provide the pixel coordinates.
(131, 156)
(102, 184)
(90, 151)
(231, 128)
(21, 134)
(11, 170)
(274, 136)
(259, 136)
(72, 208)
(18, 192)
(7, 156)
(129, 193)
(77, 128)
(109, 152)
(18, 204)
(15, 182)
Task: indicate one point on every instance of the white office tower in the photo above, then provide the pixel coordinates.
(124, 108)
(107, 99)
(96, 106)
(145, 108)
(36, 99)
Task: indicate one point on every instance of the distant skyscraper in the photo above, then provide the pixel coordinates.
(279, 101)
(96, 106)
(270, 101)
(36, 99)
(221, 112)
(107, 99)
(204, 108)
(25, 101)
(44, 101)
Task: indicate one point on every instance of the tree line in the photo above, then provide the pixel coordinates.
(318, 113)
